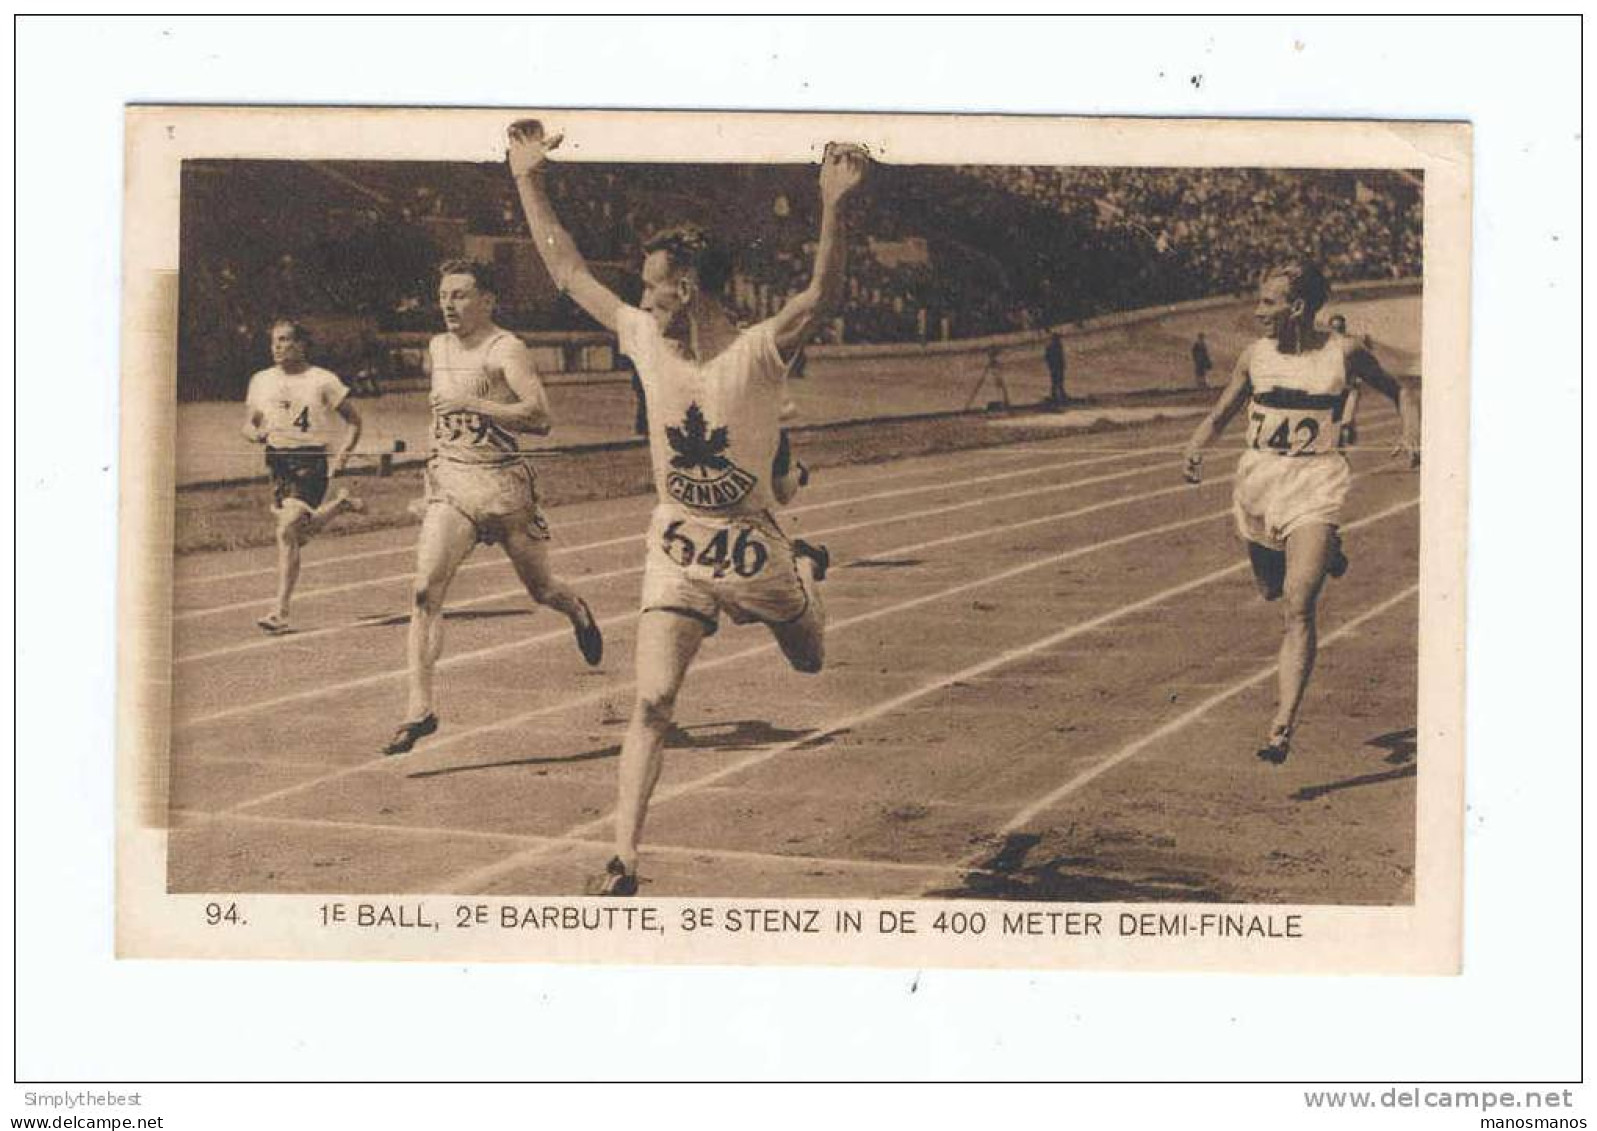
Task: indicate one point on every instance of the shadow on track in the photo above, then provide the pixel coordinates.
(1073, 879)
(746, 734)
(1403, 750)
(389, 620)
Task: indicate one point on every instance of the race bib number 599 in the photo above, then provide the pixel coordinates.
(721, 550)
(470, 428)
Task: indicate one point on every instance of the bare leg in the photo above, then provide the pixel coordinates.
(447, 536)
(1308, 552)
(293, 530)
(341, 501)
(530, 556)
(667, 643)
(1269, 570)
(803, 641)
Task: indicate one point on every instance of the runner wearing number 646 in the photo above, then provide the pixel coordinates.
(1293, 478)
(715, 395)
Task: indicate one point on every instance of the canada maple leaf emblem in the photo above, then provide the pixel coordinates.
(694, 445)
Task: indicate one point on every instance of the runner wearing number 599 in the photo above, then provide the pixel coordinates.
(1293, 478)
(715, 395)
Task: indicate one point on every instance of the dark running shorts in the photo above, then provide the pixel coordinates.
(298, 475)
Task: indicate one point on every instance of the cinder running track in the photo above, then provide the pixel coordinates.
(1047, 674)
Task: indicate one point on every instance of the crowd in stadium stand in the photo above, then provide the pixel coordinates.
(1228, 224)
(936, 252)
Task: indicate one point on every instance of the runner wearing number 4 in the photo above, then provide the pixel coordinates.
(715, 395)
(480, 487)
(291, 408)
(1293, 478)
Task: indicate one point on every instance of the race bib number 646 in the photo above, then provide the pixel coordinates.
(724, 550)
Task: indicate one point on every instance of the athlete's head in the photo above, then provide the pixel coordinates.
(1338, 324)
(1290, 294)
(681, 266)
(467, 295)
(291, 343)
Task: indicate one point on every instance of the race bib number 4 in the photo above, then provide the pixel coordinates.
(718, 550)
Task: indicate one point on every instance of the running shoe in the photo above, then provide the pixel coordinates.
(590, 641)
(1338, 564)
(819, 555)
(411, 733)
(274, 624)
(614, 881)
(352, 503)
(1276, 750)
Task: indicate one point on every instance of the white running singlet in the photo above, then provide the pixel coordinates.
(713, 427)
(466, 437)
(1298, 398)
(298, 409)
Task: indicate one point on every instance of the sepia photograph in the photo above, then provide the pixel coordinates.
(853, 526)
(556, 552)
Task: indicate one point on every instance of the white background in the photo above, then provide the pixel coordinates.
(1513, 1015)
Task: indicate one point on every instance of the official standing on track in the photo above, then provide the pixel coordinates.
(1054, 357)
(1201, 362)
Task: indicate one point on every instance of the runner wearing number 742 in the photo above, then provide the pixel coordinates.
(1293, 478)
(715, 395)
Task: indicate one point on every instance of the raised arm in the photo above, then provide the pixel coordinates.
(528, 155)
(1209, 428)
(1362, 364)
(842, 168)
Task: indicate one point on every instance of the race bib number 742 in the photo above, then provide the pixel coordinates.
(1291, 433)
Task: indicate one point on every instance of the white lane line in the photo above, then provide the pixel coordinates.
(262, 642)
(438, 832)
(497, 562)
(365, 555)
(624, 687)
(1188, 717)
(516, 591)
(830, 478)
(479, 654)
(606, 623)
(746, 654)
(637, 514)
(1112, 454)
(475, 879)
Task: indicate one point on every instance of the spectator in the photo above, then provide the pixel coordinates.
(1063, 244)
(1054, 355)
(1201, 362)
